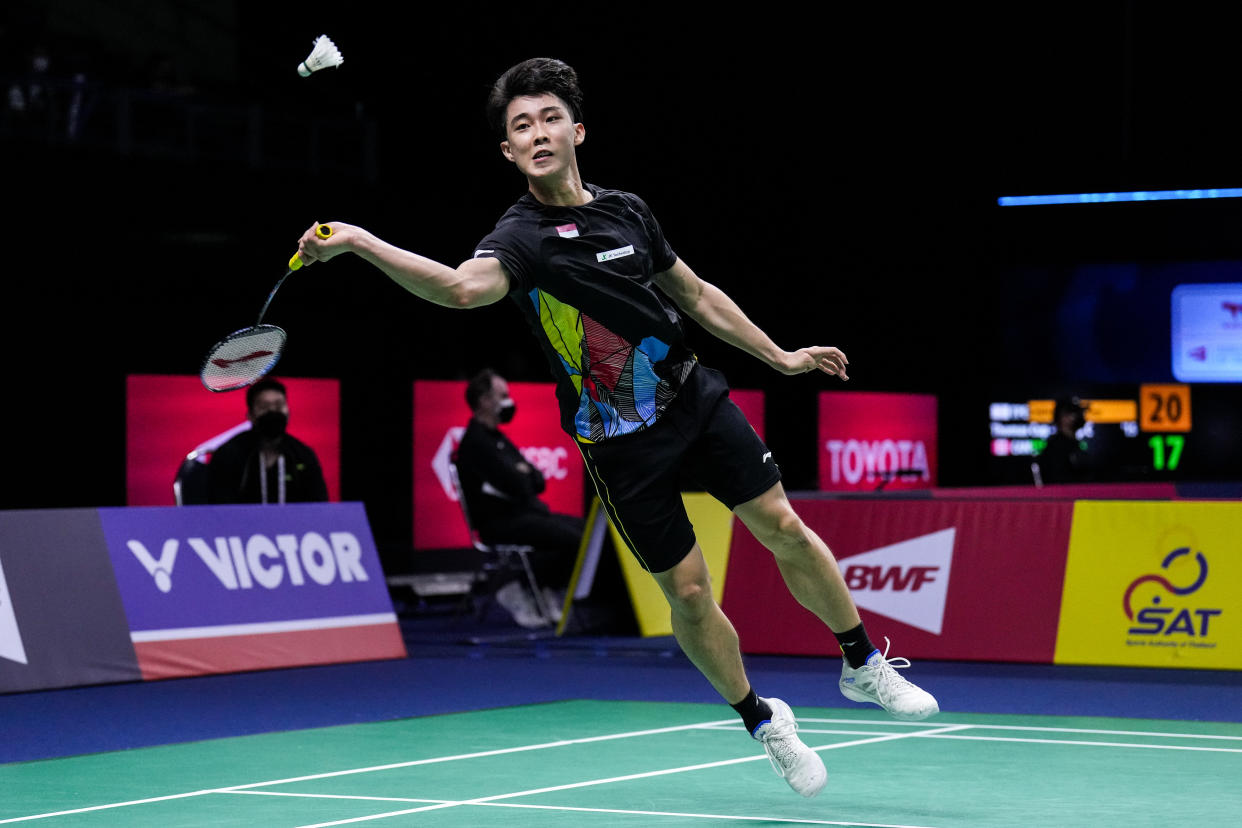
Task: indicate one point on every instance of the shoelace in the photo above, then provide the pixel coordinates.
(887, 677)
(781, 752)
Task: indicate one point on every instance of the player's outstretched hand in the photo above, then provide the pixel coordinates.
(824, 358)
(313, 247)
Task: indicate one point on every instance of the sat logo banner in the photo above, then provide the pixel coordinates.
(1153, 585)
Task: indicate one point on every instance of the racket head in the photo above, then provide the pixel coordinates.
(242, 358)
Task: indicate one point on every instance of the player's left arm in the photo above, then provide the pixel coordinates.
(712, 308)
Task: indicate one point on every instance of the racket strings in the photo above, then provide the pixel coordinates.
(242, 357)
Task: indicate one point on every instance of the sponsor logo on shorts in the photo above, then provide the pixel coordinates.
(609, 255)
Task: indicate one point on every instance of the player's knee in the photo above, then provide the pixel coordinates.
(690, 598)
(787, 534)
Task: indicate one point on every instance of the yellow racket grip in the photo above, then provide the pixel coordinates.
(323, 231)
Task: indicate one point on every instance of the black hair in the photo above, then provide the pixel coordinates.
(479, 385)
(537, 76)
(265, 384)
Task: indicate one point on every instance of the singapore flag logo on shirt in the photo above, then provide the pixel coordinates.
(568, 231)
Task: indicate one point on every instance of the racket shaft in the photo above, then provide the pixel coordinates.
(270, 296)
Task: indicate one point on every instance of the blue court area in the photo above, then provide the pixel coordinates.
(481, 726)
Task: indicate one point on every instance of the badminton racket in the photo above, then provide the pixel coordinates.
(244, 357)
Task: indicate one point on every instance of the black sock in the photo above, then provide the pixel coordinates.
(855, 646)
(753, 710)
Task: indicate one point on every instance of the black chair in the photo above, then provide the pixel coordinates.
(498, 562)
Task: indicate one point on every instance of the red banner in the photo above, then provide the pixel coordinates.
(869, 441)
(944, 579)
(440, 417)
(751, 403)
(167, 417)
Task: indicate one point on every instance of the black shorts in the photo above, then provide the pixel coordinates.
(703, 442)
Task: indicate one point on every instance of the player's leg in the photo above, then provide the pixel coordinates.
(704, 633)
(644, 504)
(708, 639)
(805, 562)
(814, 579)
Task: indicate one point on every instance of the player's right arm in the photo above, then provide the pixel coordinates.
(476, 282)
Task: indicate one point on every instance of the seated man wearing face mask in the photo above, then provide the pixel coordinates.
(265, 464)
(502, 495)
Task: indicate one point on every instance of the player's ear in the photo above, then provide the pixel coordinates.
(579, 134)
(505, 150)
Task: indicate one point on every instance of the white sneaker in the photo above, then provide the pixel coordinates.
(877, 682)
(519, 603)
(793, 761)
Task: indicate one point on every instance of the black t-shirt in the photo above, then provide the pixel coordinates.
(233, 473)
(1063, 461)
(496, 480)
(583, 278)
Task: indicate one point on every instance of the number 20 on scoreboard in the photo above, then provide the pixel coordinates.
(1165, 408)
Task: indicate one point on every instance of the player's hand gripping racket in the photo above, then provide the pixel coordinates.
(244, 357)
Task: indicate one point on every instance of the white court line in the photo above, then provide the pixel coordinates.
(296, 795)
(891, 723)
(90, 808)
(713, 725)
(579, 809)
(1085, 743)
(485, 800)
(793, 820)
(482, 753)
(498, 752)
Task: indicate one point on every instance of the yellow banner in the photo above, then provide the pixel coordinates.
(1153, 585)
(713, 527)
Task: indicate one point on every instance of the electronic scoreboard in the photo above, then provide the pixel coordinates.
(1153, 431)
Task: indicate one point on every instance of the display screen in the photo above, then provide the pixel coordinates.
(1147, 432)
(1206, 326)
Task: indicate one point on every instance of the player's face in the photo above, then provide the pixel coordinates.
(541, 135)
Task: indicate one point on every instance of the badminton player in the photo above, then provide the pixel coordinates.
(605, 295)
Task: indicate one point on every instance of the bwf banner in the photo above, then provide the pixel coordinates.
(967, 580)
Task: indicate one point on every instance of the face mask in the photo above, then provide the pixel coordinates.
(271, 424)
(507, 409)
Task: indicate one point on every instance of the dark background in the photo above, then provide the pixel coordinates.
(836, 172)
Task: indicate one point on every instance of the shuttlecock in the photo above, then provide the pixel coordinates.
(324, 55)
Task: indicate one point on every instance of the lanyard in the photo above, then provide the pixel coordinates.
(280, 476)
